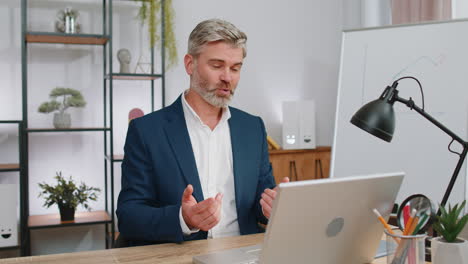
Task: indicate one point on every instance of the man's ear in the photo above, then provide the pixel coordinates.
(189, 63)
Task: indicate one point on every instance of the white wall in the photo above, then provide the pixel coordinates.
(352, 14)
(293, 53)
(460, 8)
(366, 13)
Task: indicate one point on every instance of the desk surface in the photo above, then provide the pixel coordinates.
(165, 253)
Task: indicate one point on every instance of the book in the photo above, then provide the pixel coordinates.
(272, 143)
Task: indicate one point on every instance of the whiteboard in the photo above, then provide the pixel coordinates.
(371, 59)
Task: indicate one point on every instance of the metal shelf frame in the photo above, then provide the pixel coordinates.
(104, 40)
(76, 129)
(38, 38)
(109, 78)
(15, 166)
(134, 76)
(22, 177)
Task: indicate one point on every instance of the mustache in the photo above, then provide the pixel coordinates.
(221, 85)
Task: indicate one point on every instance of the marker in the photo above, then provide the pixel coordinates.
(421, 223)
(406, 214)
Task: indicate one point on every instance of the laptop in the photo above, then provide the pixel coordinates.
(324, 221)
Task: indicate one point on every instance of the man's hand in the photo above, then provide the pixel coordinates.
(203, 215)
(268, 196)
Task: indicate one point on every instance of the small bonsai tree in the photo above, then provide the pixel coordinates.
(70, 98)
(450, 223)
(67, 194)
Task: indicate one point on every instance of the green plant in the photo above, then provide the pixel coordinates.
(450, 223)
(67, 194)
(71, 98)
(150, 13)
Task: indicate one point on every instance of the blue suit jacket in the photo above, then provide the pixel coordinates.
(159, 163)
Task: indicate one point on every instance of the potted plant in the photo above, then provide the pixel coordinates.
(67, 195)
(69, 98)
(150, 13)
(449, 248)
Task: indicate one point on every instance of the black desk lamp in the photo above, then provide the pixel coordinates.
(378, 118)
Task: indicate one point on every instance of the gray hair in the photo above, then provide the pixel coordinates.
(216, 30)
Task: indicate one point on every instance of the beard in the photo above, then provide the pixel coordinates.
(208, 92)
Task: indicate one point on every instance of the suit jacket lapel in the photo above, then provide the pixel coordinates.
(235, 129)
(179, 139)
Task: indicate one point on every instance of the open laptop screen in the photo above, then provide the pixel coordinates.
(321, 221)
(329, 220)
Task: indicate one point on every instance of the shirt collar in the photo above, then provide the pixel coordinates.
(190, 114)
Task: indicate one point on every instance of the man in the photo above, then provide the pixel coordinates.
(198, 168)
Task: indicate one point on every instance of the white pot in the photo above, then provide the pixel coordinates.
(449, 253)
(62, 120)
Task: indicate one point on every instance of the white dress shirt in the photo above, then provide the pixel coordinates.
(213, 156)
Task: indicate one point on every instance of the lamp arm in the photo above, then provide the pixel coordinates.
(410, 103)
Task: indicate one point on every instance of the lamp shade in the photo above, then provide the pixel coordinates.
(377, 118)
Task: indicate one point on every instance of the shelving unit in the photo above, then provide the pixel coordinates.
(135, 76)
(76, 129)
(9, 167)
(81, 218)
(106, 216)
(17, 167)
(111, 76)
(61, 38)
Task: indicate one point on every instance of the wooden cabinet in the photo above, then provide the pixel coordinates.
(301, 164)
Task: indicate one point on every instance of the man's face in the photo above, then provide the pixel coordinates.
(215, 72)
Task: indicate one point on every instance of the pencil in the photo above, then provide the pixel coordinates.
(412, 228)
(408, 225)
(382, 220)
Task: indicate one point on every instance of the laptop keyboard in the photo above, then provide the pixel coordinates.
(254, 252)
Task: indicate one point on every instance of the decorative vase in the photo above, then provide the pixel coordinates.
(443, 252)
(62, 120)
(66, 213)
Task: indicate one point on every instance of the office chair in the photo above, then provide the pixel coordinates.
(121, 242)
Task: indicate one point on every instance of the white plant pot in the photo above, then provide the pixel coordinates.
(62, 120)
(449, 253)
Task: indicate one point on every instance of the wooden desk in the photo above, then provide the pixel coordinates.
(165, 253)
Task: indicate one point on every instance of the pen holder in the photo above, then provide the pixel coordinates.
(405, 249)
